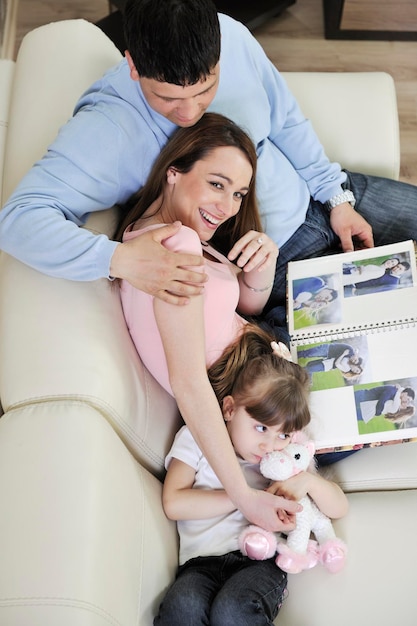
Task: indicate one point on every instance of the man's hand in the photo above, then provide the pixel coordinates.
(349, 225)
(147, 265)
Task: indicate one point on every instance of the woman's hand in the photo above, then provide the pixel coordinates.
(271, 512)
(254, 250)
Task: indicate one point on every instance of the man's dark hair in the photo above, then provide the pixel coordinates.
(173, 41)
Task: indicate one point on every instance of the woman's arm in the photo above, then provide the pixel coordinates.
(256, 255)
(182, 502)
(182, 333)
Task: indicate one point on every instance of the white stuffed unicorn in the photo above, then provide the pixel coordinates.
(298, 552)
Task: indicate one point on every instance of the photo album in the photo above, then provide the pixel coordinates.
(352, 319)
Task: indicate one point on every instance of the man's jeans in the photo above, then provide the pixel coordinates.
(388, 205)
(226, 590)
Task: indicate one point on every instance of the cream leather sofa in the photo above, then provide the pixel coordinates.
(83, 538)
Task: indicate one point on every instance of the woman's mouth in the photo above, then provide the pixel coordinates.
(209, 219)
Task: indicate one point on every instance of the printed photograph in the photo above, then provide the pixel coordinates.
(389, 405)
(382, 273)
(316, 300)
(334, 364)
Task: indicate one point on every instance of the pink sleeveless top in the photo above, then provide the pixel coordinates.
(221, 296)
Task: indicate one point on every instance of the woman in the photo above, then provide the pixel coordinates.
(204, 178)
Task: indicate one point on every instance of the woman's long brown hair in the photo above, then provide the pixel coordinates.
(183, 150)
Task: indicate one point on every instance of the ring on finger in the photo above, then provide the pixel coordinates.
(260, 241)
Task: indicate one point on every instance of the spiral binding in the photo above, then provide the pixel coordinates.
(318, 335)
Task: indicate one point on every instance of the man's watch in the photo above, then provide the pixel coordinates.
(340, 198)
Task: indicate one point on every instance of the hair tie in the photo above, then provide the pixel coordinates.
(280, 349)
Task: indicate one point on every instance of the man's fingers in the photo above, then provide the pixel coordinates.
(159, 234)
(171, 298)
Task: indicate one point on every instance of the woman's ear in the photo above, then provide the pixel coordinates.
(228, 408)
(172, 176)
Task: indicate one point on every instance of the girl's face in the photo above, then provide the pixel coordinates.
(210, 194)
(251, 439)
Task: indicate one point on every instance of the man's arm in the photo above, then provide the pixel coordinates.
(40, 223)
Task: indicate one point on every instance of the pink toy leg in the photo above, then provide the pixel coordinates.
(333, 555)
(295, 562)
(257, 544)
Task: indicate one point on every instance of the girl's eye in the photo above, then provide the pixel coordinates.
(261, 428)
(283, 436)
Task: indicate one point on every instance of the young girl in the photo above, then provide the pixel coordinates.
(264, 398)
(204, 178)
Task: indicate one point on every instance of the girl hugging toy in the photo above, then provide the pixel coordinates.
(298, 552)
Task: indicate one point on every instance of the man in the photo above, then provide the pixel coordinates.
(386, 282)
(172, 73)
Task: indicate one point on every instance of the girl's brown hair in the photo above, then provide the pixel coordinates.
(183, 150)
(271, 389)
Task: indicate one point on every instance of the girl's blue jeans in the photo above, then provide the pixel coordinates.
(226, 590)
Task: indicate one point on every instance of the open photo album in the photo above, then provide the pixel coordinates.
(352, 318)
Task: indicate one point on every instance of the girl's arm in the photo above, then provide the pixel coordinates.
(182, 502)
(256, 255)
(182, 334)
(327, 495)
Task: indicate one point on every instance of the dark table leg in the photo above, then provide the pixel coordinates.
(333, 11)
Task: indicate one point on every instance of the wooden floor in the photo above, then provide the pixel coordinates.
(294, 41)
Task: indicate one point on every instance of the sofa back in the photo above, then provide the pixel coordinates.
(63, 340)
(66, 341)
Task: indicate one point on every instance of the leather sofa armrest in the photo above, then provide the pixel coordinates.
(6, 80)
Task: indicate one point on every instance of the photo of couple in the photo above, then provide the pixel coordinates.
(316, 300)
(376, 274)
(334, 364)
(384, 406)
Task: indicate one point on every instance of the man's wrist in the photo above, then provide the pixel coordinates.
(340, 198)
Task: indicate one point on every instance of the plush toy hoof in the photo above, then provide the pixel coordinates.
(333, 555)
(257, 544)
(296, 562)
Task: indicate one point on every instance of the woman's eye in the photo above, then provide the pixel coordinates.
(217, 185)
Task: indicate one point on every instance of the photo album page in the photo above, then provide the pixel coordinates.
(352, 318)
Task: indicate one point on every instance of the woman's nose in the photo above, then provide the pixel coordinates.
(226, 205)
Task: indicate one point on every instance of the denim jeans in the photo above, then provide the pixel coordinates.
(226, 590)
(388, 205)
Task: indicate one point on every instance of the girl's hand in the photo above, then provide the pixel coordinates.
(255, 250)
(293, 488)
(268, 511)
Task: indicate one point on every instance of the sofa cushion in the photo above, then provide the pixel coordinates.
(68, 340)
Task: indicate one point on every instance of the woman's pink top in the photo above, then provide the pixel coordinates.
(221, 296)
